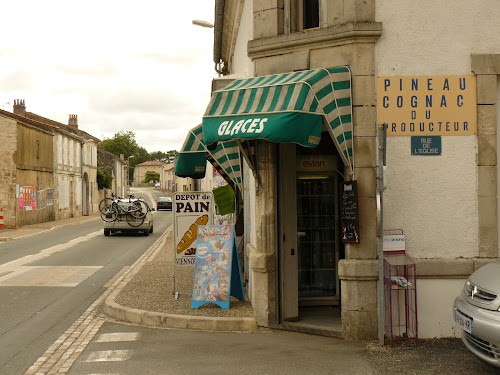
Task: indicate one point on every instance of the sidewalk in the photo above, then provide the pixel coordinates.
(146, 296)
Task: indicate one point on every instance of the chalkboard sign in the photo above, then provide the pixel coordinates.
(349, 211)
(217, 272)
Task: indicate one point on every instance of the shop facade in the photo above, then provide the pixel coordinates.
(446, 204)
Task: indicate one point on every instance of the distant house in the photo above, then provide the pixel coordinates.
(167, 181)
(140, 170)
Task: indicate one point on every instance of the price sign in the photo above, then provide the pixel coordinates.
(349, 212)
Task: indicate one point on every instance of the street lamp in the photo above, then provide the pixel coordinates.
(203, 24)
(128, 168)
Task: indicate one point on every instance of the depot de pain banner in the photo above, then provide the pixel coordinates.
(191, 210)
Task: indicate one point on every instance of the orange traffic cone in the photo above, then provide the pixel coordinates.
(2, 225)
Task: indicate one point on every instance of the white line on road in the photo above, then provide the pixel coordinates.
(118, 337)
(7, 267)
(109, 356)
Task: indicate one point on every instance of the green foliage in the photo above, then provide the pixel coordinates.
(166, 157)
(104, 178)
(122, 143)
(151, 176)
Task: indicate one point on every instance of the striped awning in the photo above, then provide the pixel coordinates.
(289, 107)
(192, 159)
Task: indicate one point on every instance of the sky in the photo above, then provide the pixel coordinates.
(139, 66)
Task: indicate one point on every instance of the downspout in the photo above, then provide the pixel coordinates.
(81, 173)
(218, 28)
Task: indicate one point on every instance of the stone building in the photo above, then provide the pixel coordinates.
(85, 191)
(168, 179)
(305, 85)
(141, 169)
(49, 169)
(27, 167)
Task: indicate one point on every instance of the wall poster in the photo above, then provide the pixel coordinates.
(217, 271)
(27, 198)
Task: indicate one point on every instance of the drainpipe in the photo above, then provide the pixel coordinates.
(218, 28)
(382, 153)
(81, 173)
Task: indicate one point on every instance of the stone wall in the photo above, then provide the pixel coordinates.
(8, 172)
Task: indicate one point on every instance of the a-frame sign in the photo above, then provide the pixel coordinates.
(217, 271)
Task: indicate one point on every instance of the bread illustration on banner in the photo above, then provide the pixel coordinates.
(192, 233)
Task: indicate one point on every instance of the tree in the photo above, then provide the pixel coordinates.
(151, 176)
(166, 157)
(122, 142)
(104, 178)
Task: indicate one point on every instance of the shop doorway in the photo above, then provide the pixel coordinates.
(310, 243)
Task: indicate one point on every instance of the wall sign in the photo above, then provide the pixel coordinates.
(430, 145)
(316, 163)
(349, 211)
(191, 209)
(217, 272)
(427, 105)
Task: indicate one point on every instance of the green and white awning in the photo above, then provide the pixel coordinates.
(289, 107)
(192, 159)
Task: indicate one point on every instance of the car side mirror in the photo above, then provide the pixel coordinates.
(152, 209)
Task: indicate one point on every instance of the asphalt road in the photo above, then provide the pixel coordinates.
(48, 280)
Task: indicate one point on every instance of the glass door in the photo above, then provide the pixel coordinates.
(318, 251)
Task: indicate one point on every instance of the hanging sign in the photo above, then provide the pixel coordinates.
(427, 105)
(349, 211)
(191, 209)
(217, 271)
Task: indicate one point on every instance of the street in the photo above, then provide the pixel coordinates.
(48, 280)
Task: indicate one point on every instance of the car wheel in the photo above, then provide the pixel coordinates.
(151, 229)
(146, 232)
(107, 232)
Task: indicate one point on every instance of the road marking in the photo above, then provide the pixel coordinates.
(118, 337)
(109, 356)
(61, 355)
(6, 267)
(53, 276)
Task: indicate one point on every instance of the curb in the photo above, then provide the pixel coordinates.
(164, 320)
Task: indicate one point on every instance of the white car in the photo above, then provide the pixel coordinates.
(477, 312)
(126, 223)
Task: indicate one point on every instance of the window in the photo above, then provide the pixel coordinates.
(307, 14)
(37, 149)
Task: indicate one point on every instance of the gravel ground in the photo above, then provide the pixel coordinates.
(430, 357)
(151, 289)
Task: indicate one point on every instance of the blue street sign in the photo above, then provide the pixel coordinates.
(427, 145)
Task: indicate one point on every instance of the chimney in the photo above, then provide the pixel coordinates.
(19, 107)
(73, 121)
